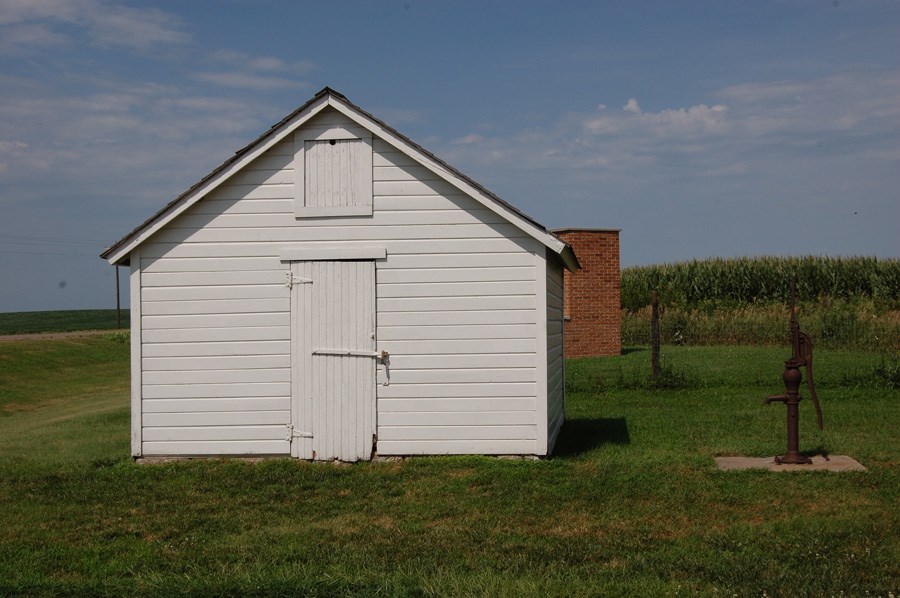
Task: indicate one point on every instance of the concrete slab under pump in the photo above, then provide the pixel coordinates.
(835, 463)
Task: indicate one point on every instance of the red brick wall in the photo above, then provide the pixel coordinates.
(592, 303)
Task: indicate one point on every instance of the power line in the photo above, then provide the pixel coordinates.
(22, 240)
(74, 253)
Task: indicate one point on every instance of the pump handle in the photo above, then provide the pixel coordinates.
(806, 348)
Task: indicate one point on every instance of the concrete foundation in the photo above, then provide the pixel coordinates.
(835, 463)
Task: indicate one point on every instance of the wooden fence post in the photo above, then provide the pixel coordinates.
(654, 336)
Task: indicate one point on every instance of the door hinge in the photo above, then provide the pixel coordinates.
(290, 280)
(291, 434)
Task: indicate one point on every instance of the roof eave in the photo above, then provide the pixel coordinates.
(118, 251)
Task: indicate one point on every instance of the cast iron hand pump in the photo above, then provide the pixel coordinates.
(801, 357)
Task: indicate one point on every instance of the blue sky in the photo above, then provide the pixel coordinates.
(698, 128)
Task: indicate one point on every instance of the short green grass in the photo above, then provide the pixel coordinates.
(60, 321)
(631, 504)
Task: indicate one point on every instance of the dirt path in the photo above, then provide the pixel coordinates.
(56, 335)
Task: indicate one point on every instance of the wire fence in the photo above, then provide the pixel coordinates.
(836, 325)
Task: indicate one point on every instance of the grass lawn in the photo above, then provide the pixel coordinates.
(631, 504)
(61, 321)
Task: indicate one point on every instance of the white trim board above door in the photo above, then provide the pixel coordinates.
(332, 251)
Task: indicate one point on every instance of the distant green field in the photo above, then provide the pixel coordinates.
(631, 503)
(26, 322)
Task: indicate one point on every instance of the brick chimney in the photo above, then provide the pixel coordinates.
(593, 324)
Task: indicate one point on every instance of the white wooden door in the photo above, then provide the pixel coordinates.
(334, 402)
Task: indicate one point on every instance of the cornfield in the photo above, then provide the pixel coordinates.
(717, 283)
(842, 302)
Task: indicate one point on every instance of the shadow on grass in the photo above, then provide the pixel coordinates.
(580, 436)
(819, 451)
(627, 350)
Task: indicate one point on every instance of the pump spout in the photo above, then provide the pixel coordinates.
(781, 398)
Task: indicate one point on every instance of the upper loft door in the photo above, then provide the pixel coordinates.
(334, 403)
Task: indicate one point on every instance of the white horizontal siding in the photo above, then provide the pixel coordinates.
(396, 246)
(176, 364)
(242, 349)
(440, 261)
(457, 404)
(275, 221)
(184, 279)
(457, 418)
(455, 309)
(206, 265)
(436, 390)
(218, 405)
(422, 203)
(216, 320)
(456, 289)
(428, 318)
(195, 293)
(460, 303)
(232, 333)
(455, 447)
(469, 361)
(470, 274)
(293, 233)
(555, 363)
(251, 192)
(466, 375)
(241, 206)
(228, 418)
(473, 346)
(455, 331)
(447, 309)
(226, 447)
(181, 432)
(217, 376)
(480, 432)
(211, 391)
(266, 176)
(223, 306)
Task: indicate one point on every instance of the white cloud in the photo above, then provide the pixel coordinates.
(248, 80)
(700, 118)
(671, 122)
(259, 73)
(142, 143)
(749, 130)
(9, 150)
(632, 106)
(859, 102)
(32, 36)
(468, 139)
(36, 23)
(18, 11)
(241, 60)
(140, 28)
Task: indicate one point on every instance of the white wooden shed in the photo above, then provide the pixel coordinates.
(335, 290)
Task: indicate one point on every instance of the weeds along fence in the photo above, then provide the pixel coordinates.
(839, 325)
(844, 302)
